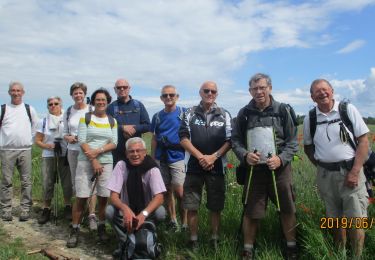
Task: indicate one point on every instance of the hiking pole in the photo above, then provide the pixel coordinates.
(94, 179)
(57, 153)
(56, 192)
(274, 186)
(246, 199)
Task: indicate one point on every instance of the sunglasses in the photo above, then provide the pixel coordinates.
(206, 91)
(53, 104)
(172, 95)
(136, 151)
(122, 87)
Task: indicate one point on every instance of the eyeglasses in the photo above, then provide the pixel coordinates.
(262, 88)
(122, 87)
(53, 104)
(172, 95)
(206, 91)
(135, 151)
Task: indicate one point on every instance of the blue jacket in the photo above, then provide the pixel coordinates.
(132, 112)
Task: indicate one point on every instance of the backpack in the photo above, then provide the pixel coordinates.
(142, 244)
(283, 111)
(69, 112)
(137, 108)
(157, 117)
(3, 108)
(369, 165)
(88, 119)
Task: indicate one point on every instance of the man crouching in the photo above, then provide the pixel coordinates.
(137, 191)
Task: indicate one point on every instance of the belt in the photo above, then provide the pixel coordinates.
(335, 166)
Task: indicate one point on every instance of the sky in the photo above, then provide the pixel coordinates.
(49, 45)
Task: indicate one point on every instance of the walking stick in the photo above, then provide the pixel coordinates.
(246, 200)
(56, 192)
(274, 186)
(94, 179)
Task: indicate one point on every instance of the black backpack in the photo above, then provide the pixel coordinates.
(88, 115)
(284, 110)
(142, 244)
(3, 109)
(369, 166)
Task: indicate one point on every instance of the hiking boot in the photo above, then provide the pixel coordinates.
(68, 212)
(173, 226)
(184, 228)
(73, 238)
(117, 253)
(193, 245)
(93, 223)
(248, 254)
(44, 218)
(25, 215)
(7, 216)
(291, 253)
(102, 234)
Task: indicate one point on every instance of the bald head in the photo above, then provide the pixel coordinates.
(121, 82)
(122, 89)
(208, 84)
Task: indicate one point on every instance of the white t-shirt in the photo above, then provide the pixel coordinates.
(71, 127)
(328, 145)
(16, 132)
(50, 135)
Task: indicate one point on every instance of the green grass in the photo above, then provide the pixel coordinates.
(314, 242)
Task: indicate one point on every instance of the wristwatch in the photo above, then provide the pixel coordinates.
(145, 213)
(217, 155)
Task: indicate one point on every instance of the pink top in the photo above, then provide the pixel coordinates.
(152, 183)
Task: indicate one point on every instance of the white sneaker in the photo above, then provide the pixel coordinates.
(93, 223)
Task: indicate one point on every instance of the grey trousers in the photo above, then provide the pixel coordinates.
(49, 177)
(10, 159)
(115, 219)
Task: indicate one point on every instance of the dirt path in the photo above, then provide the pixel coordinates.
(36, 237)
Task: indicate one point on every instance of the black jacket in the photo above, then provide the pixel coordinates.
(207, 132)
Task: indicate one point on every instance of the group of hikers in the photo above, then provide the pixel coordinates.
(98, 153)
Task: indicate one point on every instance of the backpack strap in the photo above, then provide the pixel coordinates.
(68, 113)
(44, 124)
(27, 106)
(343, 111)
(313, 122)
(88, 115)
(3, 108)
(88, 118)
(111, 121)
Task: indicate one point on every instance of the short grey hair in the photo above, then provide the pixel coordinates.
(168, 86)
(13, 83)
(254, 79)
(316, 82)
(54, 97)
(134, 140)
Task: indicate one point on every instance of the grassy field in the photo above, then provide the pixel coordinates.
(315, 243)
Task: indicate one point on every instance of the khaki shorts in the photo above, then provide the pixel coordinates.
(173, 173)
(339, 199)
(215, 188)
(262, 188)
(84, 184)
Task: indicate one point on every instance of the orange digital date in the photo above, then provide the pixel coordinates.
(344, 222)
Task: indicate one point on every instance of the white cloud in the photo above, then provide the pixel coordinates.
(48, 45)
(353, 46)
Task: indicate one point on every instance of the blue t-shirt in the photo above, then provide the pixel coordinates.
(165, 127)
